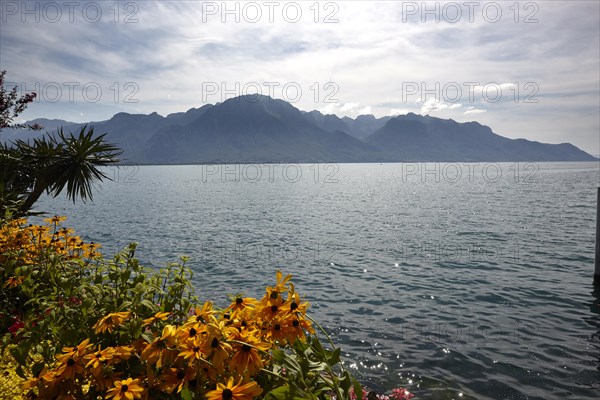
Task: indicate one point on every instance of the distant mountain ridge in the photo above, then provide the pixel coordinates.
(259, 129)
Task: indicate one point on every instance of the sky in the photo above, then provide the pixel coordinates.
(527, 69)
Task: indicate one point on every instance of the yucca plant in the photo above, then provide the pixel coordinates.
(52, 164)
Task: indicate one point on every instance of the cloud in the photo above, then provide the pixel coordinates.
(398, 111)
(348, 106)
(361, 59)
(365, 110)
(473, 110)
(328, 109)
(434, 105)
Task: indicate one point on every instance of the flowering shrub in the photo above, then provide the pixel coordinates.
(82, 327)
(397, 394)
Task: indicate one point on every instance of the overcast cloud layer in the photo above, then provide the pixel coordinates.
(527, 70)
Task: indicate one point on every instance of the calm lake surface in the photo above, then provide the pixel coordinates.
(455, 280)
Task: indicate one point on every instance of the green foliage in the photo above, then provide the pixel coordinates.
(52, 164)
(66, 298)
(61, 295)
(311, 372)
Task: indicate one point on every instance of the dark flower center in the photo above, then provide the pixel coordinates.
(124, 388)
(196, 349)
(70, 362)
(239, 300)
(180, 374)
(227, 394)
(274, 294)
(193, 332)
(214, 343)
(274, 308)
(294, 306)
(295, 323)
(246, 348)
(277, 327)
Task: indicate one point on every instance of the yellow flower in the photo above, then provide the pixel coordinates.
(276, 330)
(215, 347)
(247, 358)
(123, 352)
(192, 349)
(96, 359)
(274, 293)
(294, 303)
(69, 368)
(295, 328)
(190, 331)
(159, 316)
(112, 320)
(71, 362)
(127, 389)
(13, 282)
(55, 220)
(230, 391)
(203, 315)
(240, 304)
(175, 378)
(271, 308)
(89, 250)
(158, 351)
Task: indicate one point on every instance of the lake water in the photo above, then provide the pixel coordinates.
(455, 280)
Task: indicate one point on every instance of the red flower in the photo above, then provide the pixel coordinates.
(16, 326)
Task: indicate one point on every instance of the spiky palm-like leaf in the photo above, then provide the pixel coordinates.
(52, 164)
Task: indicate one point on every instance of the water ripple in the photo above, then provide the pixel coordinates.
(473, 287)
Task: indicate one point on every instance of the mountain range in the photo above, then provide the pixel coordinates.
(259, 129)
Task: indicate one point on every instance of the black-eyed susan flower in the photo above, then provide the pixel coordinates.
(13, 281)
(127, 389)
(70, 363)
(239, 391)
(192, 350)
(274, 293)
(276, 330)
(295, 328)
(215, 347)
(111, 321)
(158, 352)
(123, 352)
(247, 347)
(176, 379)
(294, 303)
(271, 309)
(191, 330)
(98, 358)
(204, 314)
(159, 316)
(241, 304)
(68, 368)
(57, 219)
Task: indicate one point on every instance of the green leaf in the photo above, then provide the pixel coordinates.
(37, 368)
(279, 356)
(357, 388)
(148, 337)
(283, 393)
(20, 372)
(335, 357)
(186, 394)
(147, 303)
